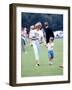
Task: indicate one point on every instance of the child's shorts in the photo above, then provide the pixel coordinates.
(50, 53)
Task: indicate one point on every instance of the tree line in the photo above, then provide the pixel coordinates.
(55, 21)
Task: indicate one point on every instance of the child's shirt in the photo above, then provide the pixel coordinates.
(50, 46)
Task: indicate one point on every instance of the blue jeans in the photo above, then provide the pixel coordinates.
(50, 53)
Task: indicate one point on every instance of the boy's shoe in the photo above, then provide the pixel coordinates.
(50, 63)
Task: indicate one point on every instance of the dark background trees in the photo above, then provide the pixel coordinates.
(55, 21)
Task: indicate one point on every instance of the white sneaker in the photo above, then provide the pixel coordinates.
(50, 63)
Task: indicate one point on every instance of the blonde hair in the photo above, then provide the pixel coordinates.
(32, 27)
(38, 24)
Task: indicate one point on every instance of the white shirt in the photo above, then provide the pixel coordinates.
(35, 33)
(32, 34)
(40, 34)
(50, 46)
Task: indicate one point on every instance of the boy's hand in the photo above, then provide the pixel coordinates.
(45, 44)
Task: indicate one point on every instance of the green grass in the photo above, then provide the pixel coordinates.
(28, 67)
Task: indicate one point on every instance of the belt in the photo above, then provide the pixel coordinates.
(34, 39)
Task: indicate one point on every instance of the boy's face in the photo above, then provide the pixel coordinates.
(50, 40)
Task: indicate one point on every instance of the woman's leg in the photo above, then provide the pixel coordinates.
(36, 53)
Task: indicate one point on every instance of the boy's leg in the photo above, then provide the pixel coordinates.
(50, 61)
(50, 55)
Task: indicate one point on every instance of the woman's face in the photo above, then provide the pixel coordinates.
(38, 28)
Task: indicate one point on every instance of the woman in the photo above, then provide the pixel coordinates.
(35, 35)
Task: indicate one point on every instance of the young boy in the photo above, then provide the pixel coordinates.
(50, 46)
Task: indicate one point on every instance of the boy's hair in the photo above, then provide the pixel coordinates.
(52, 39)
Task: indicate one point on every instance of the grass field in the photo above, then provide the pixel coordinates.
(28, 67)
